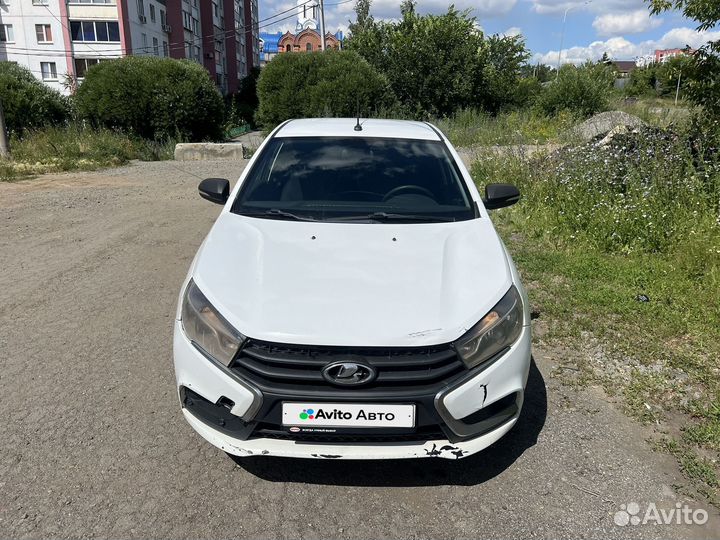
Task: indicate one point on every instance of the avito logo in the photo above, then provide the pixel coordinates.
(307, 414)
(336, 414)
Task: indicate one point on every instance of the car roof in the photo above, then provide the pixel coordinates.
(344, 127)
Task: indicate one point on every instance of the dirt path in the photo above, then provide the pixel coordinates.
(92, 442)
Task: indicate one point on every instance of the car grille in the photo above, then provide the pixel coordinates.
(279, 366)
(427, 433)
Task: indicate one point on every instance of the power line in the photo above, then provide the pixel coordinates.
(177, 46)
(62, 24)
(244, 28)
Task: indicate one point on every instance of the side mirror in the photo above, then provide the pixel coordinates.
(500, 196)
(215, 190)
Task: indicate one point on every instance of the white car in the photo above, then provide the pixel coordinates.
(353, 300)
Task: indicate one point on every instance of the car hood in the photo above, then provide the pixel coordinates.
(352, 284)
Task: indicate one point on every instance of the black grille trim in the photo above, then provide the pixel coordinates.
(422, 435)
(284, 367)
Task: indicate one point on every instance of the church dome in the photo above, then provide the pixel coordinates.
(308, 14)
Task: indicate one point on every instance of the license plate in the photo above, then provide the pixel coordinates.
(355, 415)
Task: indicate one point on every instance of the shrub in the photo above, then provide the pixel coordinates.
(75, 147)
(584, 90)
(704, 84)
(243, 104)
(643, 82)
(330, 83)
(155, 98)
(661, 79)
(27, 102)
(648, 192)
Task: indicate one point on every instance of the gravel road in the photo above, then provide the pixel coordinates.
(93, 444)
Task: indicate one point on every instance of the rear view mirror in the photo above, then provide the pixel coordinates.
(215, 190)
(500, 196)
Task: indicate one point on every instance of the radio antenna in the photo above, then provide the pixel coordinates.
(358, 126)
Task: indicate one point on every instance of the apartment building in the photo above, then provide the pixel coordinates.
(58, 40)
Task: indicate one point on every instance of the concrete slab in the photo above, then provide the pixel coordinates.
(205, 151)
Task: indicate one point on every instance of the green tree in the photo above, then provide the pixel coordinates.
(703, 86)
(643, 81)
(500, 83)
(438, 64)
(407, 8)
(155, 98)
(27, 102)
(677, 69)
(583, 90)
(367, 37)
(330, 83)
(243, 105)
(541, 72)
(363, 18)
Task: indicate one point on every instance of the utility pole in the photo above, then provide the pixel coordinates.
(4, 144)
(322, 25)
(562, 38)
(677, 92)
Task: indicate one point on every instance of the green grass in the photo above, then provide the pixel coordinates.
(704, 434)
(597, 231)
(75, 148)
(471, 127)
(656, 111)
(701, 470)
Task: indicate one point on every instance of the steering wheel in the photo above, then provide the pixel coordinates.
(409, 188)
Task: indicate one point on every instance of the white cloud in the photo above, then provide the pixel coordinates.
(512, 31)
(595, 6)
(616, 24)
(390, 9)
(338, 16)
(620, 48)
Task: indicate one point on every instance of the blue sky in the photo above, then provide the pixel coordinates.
(622, 28)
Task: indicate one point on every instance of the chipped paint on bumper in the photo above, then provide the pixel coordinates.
(273, 447)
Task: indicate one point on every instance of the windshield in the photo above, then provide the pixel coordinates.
(355, 179)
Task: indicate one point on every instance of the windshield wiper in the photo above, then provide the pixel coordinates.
(384, 217)
(277, 213)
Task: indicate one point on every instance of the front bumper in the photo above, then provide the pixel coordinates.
(459, 407)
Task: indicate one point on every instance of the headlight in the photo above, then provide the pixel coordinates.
(207, 329)
(498, 329)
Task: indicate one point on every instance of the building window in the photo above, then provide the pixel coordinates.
(166, 51)
(141, 8)
(108, 31)
(288, 48)
(49, 71)
(308, 47)
(152, 12)
(43, 32)
(156, 47)
(144, 43)
(83, 64)
(6, 33)
(187, 20)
